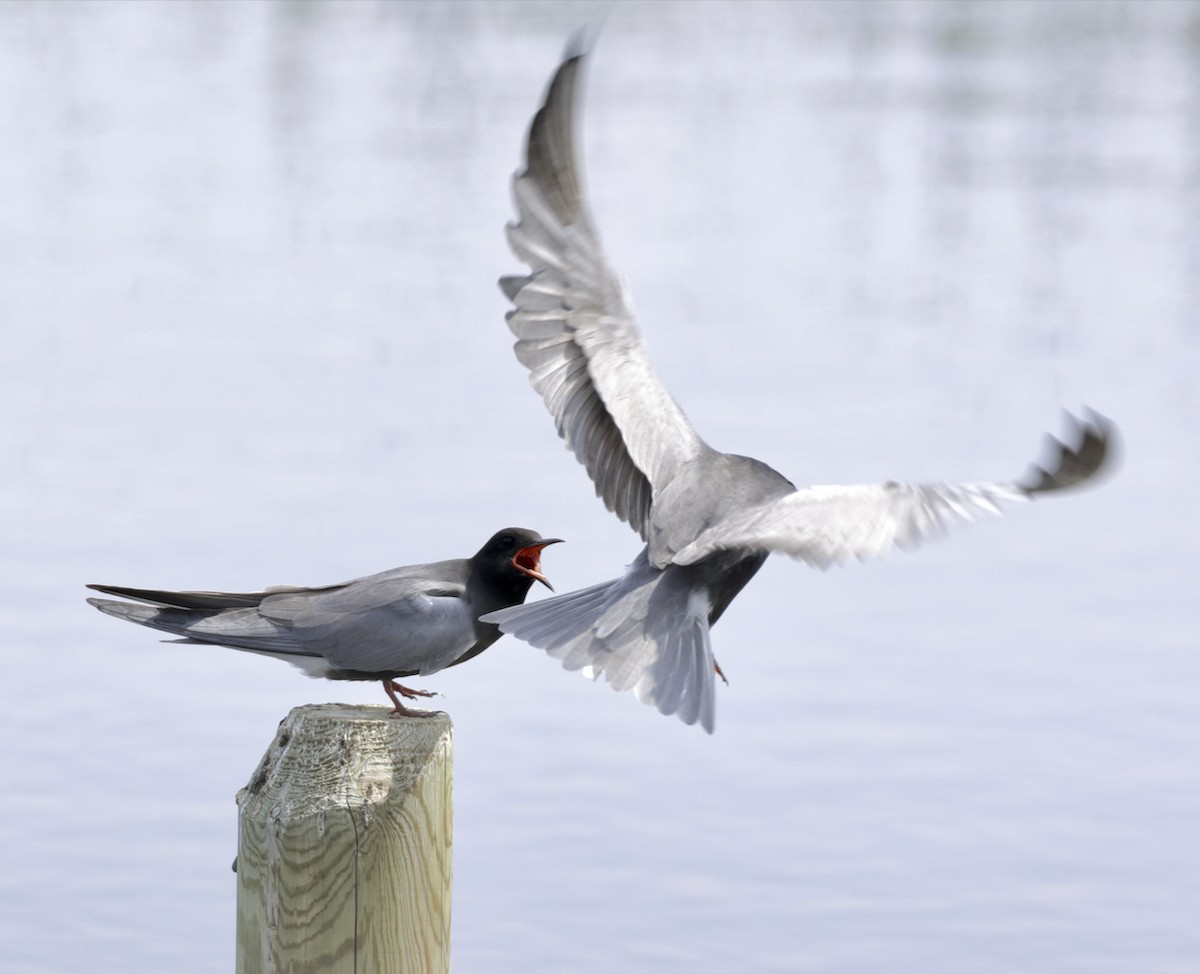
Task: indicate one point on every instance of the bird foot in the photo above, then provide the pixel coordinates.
(409, 693)
(391, 687)
(717, 667)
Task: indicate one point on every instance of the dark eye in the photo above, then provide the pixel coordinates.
(508, 541)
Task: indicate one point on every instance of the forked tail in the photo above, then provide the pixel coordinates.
(646, 632)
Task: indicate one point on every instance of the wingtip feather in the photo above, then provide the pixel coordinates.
(1086, 452)
(583, 40)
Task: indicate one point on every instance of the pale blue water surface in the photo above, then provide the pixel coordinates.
(251, 335)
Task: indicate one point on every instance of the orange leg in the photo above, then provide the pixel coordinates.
(391, 687)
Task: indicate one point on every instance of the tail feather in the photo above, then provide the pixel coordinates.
(680, 682)
(551, 620)
(669, 681)
(646, 631)
(243, 628)
(141, 614)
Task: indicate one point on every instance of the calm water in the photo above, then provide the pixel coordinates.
(251, 335)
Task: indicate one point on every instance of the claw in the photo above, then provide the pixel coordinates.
(717, 667)
(391, 687)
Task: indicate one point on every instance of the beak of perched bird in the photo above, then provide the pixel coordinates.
(529, 560)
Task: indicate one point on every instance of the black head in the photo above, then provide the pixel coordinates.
(513, 556)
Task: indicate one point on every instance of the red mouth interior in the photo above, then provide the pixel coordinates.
(529, 560)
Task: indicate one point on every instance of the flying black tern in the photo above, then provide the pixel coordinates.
(405, 622)
(709, 519)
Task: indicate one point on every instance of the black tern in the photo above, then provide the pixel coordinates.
(410, 621)
(709, 519)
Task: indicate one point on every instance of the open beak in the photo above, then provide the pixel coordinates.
(529, 560)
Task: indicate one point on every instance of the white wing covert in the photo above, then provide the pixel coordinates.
(825, 526)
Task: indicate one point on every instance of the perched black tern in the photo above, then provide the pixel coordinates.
(405, 622)
(709, 519)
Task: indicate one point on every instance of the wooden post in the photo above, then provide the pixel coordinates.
(344, 846)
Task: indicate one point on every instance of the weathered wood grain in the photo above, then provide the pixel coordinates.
(344, 846)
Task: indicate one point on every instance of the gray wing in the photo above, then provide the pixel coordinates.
(825, 526)
(575, 327)
(385, 622)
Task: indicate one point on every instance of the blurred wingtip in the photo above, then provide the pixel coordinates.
(582, 41)
(1086, 453)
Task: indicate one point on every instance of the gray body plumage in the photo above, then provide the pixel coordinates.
(709, 519)
(414, 620)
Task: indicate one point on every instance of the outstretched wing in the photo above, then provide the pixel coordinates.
(575, 328)
(826, 526)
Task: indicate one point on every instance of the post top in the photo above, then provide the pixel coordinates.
(360, 712)
(334, 753)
